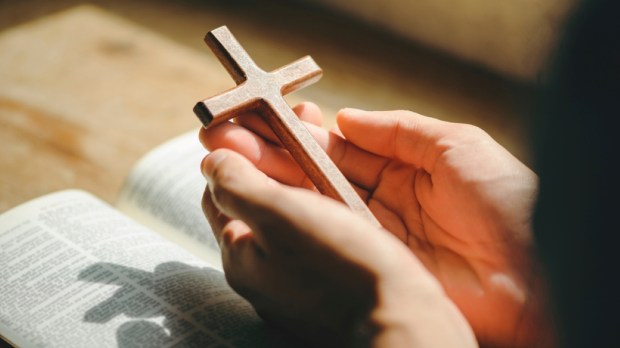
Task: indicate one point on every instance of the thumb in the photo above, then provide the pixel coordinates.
(242, 192)
(403, 135)
(287, 218)
(234, 182)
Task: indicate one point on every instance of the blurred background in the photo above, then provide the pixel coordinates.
(88, 88)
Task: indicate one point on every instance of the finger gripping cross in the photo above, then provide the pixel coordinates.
(263, 91)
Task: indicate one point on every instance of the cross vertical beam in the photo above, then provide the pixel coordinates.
(263, 91)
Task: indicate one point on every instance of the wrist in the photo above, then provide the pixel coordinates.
(412, 310)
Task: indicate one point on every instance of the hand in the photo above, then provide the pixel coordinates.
(309, 265)
(454, 196)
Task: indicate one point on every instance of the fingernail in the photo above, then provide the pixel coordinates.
(211, 161)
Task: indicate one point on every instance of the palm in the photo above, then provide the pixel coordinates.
(450, 220)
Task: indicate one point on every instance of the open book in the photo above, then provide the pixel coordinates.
(76, 272)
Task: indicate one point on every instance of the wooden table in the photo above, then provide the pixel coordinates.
(83, 94)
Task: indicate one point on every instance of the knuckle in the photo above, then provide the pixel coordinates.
(220, 193)
(231, 267)
(222, 176)
(234, 280)
(223, 187)
(472, 130)
(237, 278)
(461, 134)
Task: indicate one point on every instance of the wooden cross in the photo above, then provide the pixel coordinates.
(263, 91)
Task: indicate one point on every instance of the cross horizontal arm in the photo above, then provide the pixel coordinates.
(297, 75)
(224, 106)
(230, 53)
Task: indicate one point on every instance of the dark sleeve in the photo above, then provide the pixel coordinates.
(577, 216)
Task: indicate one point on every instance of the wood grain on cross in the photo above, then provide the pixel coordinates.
(263, 92)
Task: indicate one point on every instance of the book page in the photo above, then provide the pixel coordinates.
(78, 273)
(164, 192)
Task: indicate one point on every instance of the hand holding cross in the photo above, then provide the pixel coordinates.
(263, 91)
